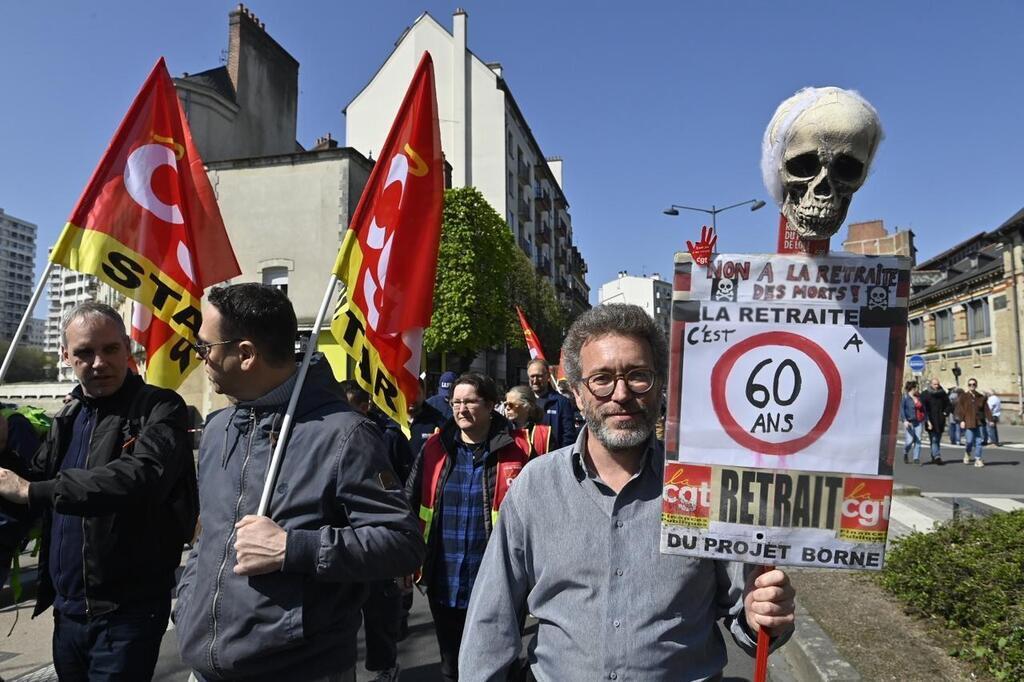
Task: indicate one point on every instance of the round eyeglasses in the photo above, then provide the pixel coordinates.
(638, 381)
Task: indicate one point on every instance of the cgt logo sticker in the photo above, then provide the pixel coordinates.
(865, 504)
(686, 490)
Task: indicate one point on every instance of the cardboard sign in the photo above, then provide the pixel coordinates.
(784, 393)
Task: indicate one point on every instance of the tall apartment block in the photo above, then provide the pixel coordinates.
(486, 140)
(17, 271)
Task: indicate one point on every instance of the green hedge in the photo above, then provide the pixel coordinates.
(969, 574)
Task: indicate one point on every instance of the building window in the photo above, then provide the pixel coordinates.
(944, 327)
(276, 277)
(510, 144)
(917, 333)
(978, 325)
(511, 185)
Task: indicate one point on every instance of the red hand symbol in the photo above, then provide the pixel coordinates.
(702, 250)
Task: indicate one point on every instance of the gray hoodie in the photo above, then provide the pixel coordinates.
(347, 522)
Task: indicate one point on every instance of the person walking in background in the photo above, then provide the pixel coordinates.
(556, 408)
(458, 483)
(936, 407)
(955, 435)
(523, 412)
(18, 439)
(912, 410)
(441, 401)
(424, 420)
(973, 414)
(995, 408)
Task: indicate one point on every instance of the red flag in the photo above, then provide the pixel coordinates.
(536, 352)
(148, 224)
(388, 257)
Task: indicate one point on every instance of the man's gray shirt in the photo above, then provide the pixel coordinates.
(586, 563)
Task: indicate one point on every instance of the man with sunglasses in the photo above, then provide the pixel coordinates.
(576, 543)
(115, 482)
(972, 411)
(278, 597)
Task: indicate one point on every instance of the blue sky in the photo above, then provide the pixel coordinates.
(648, 103)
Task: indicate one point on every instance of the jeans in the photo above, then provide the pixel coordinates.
(935, 440)
(913, 443)
(123, 645)
(992, 433)
(954, 432)
(974, 438)
(382, 614)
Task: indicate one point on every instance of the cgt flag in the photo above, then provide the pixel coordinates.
(536, 352)
(388, 257)
(148, 225)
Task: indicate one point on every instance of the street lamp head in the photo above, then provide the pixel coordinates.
(756, 205)
(670, 211)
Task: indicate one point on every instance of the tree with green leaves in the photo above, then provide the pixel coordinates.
(471, 293)
(481, 276)
(29, 364)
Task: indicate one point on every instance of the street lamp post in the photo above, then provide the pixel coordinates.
(714, 210)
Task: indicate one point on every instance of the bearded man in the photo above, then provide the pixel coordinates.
(577, 541)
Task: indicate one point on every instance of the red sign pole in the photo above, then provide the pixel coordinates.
(789, 242)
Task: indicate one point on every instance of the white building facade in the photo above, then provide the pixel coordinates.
(487, 142)
(653, 294)
(17, 271)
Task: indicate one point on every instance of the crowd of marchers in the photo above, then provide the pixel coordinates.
(501, 505)
(973, 418)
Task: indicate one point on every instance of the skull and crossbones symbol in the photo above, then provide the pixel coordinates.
(878, 298)
(725, 291)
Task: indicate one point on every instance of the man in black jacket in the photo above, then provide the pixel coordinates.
(936, 407)
(116, 484)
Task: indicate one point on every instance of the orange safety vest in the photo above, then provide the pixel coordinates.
(511, 459)
(540, 439)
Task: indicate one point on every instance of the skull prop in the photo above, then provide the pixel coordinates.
(816, 153)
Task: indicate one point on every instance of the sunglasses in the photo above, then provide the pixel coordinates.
(203, 349)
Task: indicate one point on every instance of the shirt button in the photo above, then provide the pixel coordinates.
(616, 623)
(612, 676)
(618, 571)
(618, 524)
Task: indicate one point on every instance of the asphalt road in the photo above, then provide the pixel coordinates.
(1003, 473)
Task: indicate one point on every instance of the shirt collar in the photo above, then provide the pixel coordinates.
(653, 457)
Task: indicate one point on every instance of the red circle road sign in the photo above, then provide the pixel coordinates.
(723, 367)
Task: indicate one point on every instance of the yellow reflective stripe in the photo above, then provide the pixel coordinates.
(494, 518)
(426, 516)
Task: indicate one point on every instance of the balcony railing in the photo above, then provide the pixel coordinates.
(523, 173)
(523, 209)
(542, 198)
(544, 233)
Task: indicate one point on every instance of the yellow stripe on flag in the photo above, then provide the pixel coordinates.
(97, 253)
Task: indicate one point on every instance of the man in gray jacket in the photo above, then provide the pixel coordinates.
(277, 597)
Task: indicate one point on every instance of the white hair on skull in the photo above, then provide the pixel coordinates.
(779, 128)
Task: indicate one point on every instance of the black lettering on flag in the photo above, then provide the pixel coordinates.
(122, 270)
(387, 390)
(162, 292)
(180, 353)
(189, 317)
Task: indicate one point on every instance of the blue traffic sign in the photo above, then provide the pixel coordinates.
(916, 363)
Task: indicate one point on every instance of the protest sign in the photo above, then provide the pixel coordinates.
(783, 400)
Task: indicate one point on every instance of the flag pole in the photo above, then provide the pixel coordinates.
(9, 358)
(286, 425)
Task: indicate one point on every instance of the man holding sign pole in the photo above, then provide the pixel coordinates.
(278, 596)
(576, 543)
